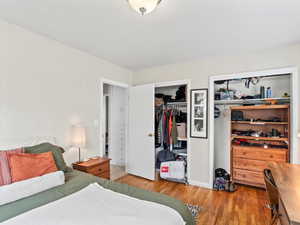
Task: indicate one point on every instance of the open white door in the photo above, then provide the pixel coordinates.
(141, 151)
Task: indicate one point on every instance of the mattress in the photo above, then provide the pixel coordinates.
(75, 181)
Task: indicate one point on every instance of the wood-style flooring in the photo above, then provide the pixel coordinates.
(246, 206)
(116, 172)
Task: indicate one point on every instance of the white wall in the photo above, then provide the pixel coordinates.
(222, 139)
(117, 125)
(199, 71)
(46, 86)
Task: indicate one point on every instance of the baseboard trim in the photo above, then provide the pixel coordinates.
(200, 184)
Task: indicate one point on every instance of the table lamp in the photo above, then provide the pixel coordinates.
(78, 138)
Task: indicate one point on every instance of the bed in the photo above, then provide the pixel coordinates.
(76, 181)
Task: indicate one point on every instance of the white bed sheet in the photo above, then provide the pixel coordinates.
(95, 205)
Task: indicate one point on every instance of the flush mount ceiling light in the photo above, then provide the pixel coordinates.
(143, 7)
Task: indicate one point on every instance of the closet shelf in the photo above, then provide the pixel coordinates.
(259, 123)
(181, 139)
(261, 138)
(250, 101)
(176, 103)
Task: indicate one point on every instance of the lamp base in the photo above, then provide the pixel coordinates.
(79, 155)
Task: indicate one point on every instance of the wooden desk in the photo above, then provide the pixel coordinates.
(287, 179)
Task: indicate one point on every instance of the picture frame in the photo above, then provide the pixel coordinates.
(199, 113)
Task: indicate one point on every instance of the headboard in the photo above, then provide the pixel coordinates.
(11, 143)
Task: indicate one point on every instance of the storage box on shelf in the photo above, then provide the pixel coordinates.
(262, 136)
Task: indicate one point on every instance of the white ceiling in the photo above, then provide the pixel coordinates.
(179, 30)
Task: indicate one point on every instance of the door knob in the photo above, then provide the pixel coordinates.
(150, 135)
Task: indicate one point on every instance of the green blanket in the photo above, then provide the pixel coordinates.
(77, 180)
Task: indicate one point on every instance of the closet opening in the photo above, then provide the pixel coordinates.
(252, 126)
(171, 132)
(114, 127)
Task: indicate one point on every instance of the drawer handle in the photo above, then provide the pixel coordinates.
(271, 156)
(244, 153)
(100, 170)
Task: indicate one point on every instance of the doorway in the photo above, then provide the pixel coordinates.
(142, 139)
(114, 114)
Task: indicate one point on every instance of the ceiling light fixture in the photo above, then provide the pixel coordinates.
(143, 7)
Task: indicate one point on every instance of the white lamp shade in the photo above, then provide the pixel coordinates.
(299, 135)
(78, 136)
(143, 6)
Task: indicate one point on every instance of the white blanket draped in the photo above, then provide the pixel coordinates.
(22, 189)
(95, 205)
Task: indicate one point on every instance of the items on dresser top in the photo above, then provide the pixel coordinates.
(99, 167)
(258, 133)
(244, 142)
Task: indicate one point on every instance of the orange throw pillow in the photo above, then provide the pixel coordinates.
(25, 166)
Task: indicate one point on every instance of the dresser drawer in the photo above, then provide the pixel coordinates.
(99, 169)
(250, 177)
(278, 155)
(105, 175)
(250, 164)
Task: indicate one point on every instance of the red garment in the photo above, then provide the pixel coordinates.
(166, 129)
(170, 127)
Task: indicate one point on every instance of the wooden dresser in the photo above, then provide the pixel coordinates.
(98, 167)
(250, 154)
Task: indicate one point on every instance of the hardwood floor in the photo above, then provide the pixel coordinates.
(246, 206)
(116, 172)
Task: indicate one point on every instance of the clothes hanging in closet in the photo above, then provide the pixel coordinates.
(165, 127)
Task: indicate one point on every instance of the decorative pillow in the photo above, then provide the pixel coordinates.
(24, 165)
(47, 147)
(5, 176)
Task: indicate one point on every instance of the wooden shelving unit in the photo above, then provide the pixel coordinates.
(249, 161)
(251, 101)
(257, 107)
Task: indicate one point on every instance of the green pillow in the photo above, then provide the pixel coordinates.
(47, 147)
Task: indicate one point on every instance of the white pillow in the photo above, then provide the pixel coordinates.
(18, 190)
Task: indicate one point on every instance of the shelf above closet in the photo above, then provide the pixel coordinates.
(250, 101)
(182, 139)
(176, 103)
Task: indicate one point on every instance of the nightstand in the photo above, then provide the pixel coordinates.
(99, 167)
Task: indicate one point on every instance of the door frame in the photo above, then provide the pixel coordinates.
(101, 135)
(105, 96)
(188, 84)
(294, 109)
